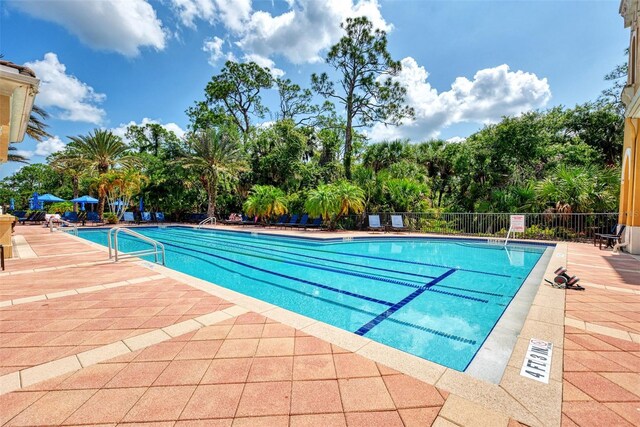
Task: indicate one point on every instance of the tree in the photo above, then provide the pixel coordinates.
(368, 92)
(150, 138)
(331, 201)
(296, 104)
(265, 201)
(101, 151)
(14, 156)
(119, 185)
(236, 91)
(213, 154)
(69, 162)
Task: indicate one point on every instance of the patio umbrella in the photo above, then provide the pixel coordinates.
(35, 203)
(12, 204)
(141, 204)
(84, 199)
(46, 198)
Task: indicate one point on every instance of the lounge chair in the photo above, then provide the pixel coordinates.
(292, 221)
(302, 223)
(374, 223)
(35, 217)
(611, 238)
(19, 214)
(93, 218)
(280, 222)
(317, 223)
(397, 224)
(129, 217)
(249, 221)
(159, 217)
(145, 217)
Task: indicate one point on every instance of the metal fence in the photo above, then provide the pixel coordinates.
(539, 226)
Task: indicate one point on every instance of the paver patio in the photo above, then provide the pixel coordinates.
(198, 360)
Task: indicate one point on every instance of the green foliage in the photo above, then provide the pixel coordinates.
(332, 201)
(59, 207)
(110, 218)
(266, 201)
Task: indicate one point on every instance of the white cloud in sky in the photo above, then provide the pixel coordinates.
(491, 94)
(49, 146)
(213, 47)
(456, 139)
(72, 99)
(122, 129)
(113, 25)
(265, 62)
(232, 13)
(24, 153)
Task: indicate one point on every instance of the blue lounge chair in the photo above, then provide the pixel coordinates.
(249, 221)
(302, 223)
(20, 215)
(71, 217)
(317, 223)
(159, 216)
(281, 221)
(145, 217)
(397, 224)
(93, 217)
(374, 223)
(129, 217)
(293, 221)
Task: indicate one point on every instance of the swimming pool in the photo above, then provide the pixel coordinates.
(435, 298)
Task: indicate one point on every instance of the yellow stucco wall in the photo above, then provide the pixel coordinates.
(630, 175)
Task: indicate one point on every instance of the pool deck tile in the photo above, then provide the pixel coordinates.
(236, 360)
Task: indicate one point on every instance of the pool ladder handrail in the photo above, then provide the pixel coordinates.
(112, 237)
(73, 230)
(211, 219)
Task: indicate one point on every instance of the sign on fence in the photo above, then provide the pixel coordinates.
(517, 223)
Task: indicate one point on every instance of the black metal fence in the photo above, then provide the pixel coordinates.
(539, 226)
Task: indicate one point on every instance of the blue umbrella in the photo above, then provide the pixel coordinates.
(49, 198)
(12, 204)
(141, 204)
(85, 199)
(35, 203)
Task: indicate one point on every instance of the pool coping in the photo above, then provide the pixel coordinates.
(528, 401)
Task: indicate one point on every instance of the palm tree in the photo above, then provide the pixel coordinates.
(37, 128)
(99, 152)
(15, 157)
(266, 201)
(71, 163)
(335, 200)
(212, 155)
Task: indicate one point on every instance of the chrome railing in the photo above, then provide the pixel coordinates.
(73, 228)
(539, 226)
(112, 241)
(211, 219)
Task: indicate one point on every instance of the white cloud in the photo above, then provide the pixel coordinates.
(265, 62)
(213, 47)
(303, 32)
(114, 25)
(122, 129)
(74, 100)
(49, 146)
(24, 153)
(491, 94)
(232, 13)
(456, 139)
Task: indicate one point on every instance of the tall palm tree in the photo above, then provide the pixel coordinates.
(266, 201)
(101, 151)
(69, 162)
(213, 154)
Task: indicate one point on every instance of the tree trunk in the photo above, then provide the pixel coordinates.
(74, 183)
(212, 193)
(347, 147)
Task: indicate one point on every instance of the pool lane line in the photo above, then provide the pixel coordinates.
(387, 259)
(308, 282)
(261, 246)
(362, 275)
(333, 302)
(310, 265)
(397, 306)
(340, 272)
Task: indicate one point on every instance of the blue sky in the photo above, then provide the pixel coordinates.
(107, 63)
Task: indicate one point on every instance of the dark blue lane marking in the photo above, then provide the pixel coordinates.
(397, 306)
(382, 258)
(257, 245)
(433, 331)
(314, 266)
(318, 285)
(362, 275)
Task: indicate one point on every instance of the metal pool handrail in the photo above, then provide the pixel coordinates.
(74, 227)
(211, 219)
(112, 236)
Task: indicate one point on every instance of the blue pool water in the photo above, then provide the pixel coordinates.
(435, 298)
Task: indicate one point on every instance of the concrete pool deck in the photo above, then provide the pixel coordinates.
(82, 342)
